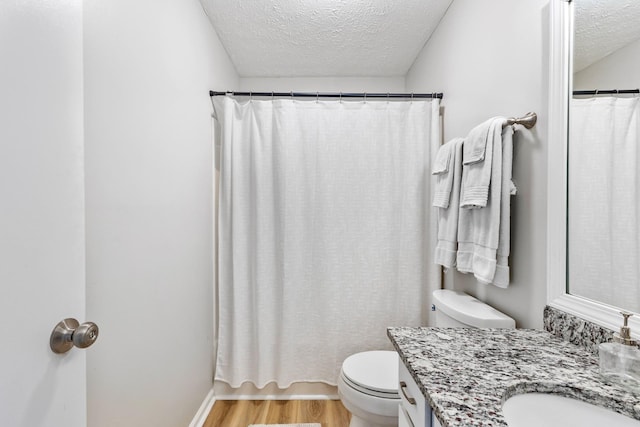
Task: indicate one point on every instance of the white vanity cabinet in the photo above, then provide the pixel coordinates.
(413, 411)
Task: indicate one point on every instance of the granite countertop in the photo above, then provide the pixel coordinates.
(467, 374)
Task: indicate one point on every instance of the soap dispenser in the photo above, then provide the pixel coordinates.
(620, 359)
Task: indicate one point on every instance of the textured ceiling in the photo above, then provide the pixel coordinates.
(324, 37)
(602, 27)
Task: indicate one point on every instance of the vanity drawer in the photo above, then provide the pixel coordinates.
(412, 401)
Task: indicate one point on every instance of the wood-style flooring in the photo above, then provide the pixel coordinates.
(241, 413)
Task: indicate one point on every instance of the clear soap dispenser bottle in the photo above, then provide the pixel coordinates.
(620, 359)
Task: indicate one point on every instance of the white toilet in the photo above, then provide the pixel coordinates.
(368, 383)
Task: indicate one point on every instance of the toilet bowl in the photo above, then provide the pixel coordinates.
(368, 388)
(368, 382)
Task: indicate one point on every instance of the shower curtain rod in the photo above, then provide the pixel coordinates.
(605, 92)
(330, 94)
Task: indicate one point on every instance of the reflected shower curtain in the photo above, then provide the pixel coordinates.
(604, 200)
(325, 233)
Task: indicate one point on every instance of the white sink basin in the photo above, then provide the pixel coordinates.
(552, 410)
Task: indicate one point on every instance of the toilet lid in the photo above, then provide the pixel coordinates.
(373, 370)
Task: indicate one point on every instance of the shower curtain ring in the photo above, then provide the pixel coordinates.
(250, 96)
(271, 96)
(365, 97)
(317, 97)
(340, 96)
(597, 91)
(411, 96)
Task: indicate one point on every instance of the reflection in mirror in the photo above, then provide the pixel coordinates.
(604, 154)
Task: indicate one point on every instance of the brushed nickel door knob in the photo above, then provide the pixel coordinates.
(85, 335)
(69, 333)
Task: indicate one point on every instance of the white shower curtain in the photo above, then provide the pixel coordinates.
(325, 233)
(604, 200)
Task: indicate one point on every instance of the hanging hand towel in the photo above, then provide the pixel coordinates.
(477, 161)
(447, 244)
(476, 143)
(479, 229)
(442, 169)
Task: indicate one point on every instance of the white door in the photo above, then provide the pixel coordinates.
(41, 211)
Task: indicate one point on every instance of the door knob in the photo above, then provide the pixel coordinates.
(69, 333)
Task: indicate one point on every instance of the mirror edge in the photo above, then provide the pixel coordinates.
(559, 84)
(560, 72)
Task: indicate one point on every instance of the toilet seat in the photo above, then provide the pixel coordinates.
(374, 373)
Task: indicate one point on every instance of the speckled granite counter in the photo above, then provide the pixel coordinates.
(466, 374)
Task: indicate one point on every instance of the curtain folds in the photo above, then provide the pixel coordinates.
(325, 233)
(604, 200)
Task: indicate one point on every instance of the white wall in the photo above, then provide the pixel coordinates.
(41, 211)
(620, 70)
(490, 58)
(148, 67)
(323, 84)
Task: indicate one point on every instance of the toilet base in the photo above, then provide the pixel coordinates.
(359, 422)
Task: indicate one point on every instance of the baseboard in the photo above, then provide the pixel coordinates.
(203, 411)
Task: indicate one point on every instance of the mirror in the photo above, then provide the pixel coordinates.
(603, 221)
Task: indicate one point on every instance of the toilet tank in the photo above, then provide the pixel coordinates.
(455, 309)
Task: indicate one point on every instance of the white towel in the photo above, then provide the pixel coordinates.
(447, 243)
(479, 229)
(501, 278)
(477, 161)
(476, 143)
(444, 174)
(443, 158)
